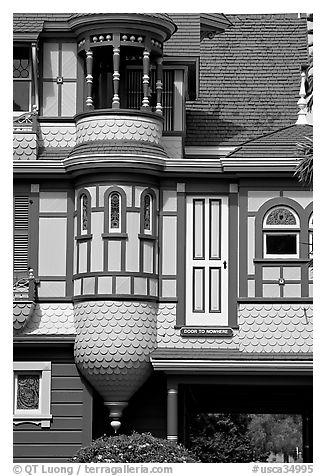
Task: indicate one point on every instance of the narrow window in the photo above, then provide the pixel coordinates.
(84, 213)
(147, 214)
(115, 212)
(22, 77)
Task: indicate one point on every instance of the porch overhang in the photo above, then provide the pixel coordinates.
(185, 361)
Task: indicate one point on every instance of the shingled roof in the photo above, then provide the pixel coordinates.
(282, 143)
(249, 73)
(249, 80)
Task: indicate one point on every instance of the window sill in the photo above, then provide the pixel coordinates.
(83, 237)
(278, 300)
(143, 236)
(273, 260)
(115, 236)
(43, 420)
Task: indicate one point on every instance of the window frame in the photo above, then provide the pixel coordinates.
(83, 234)
(28, 80)
(268, 230)
(115, 232)
(42, 415)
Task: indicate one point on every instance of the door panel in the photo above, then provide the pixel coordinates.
(207, 256)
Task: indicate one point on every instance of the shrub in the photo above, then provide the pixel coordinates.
(136, 448)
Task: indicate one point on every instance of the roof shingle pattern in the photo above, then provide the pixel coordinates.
(21, 313)
(249, 74)
(249, 80)
(24, 146)
(118, 147)
(113, 344)
(282, 143)
(50, 319)
(168, 336)
(275, 328)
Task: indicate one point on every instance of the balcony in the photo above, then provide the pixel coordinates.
(24, 297)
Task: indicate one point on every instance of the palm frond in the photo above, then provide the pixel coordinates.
(304, 170)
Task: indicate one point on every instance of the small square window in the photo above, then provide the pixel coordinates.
(279, 245)
(32, 391)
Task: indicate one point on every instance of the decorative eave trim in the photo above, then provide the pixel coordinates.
(156, 164)
(257, 164)
(208, 151)
(44, 339)
(232, 366)
(28, 37)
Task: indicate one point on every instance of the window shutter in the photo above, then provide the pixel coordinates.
(21, 206)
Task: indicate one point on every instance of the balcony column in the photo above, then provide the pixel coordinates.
(89, 79)
(145, 103)
(159, 85)
(116, 74)
(172, 412)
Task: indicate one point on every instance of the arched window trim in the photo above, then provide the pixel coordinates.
(281, 226)
(261, 230)
(83, 232)
(108, 229)
(152, 231)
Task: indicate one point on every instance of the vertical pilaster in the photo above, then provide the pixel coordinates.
(89, 79)
(159, 85)
(116, 77)
(145, 103)
(172, 412)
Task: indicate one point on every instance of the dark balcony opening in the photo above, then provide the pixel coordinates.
(130, 82)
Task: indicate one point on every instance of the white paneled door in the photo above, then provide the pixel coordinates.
(207, 261)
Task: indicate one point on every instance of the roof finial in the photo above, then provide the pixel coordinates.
(302, 103)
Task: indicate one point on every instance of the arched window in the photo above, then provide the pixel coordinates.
(148, 214)
(115, 212)
(84, 213)
(281, 227)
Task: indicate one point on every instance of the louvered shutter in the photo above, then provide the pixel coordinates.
(21, 206)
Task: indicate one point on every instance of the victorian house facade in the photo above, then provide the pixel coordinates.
(161, 242)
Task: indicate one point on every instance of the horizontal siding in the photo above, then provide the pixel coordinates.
(73, 396)
(40, 450)
(64, 369)
(65, 383)
(47, 437)
(63, 409)
(71, 408)
(59, 423)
